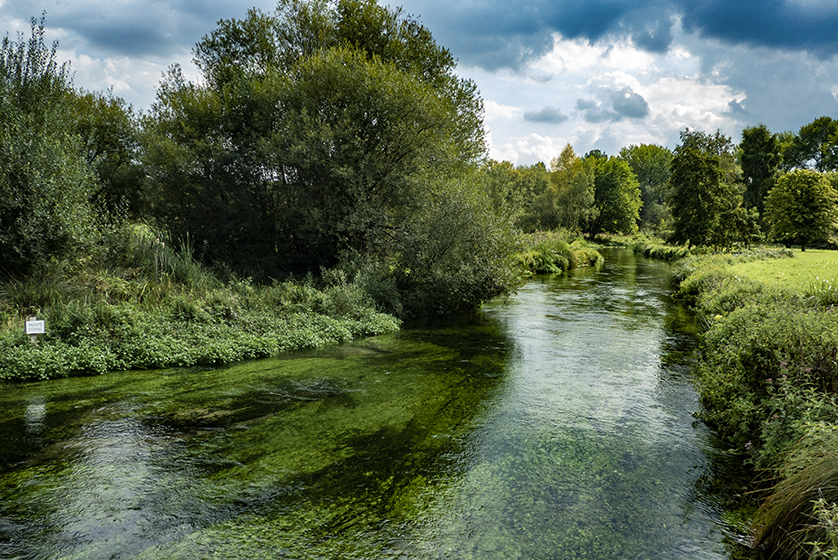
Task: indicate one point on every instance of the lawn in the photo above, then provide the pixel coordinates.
(799, 273)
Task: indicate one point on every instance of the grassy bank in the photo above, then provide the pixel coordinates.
(556, 253)
(767, 379)
(156, 308)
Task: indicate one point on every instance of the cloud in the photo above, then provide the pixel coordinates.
(513, 33)
(130, 28)
(629, 104)
(782, 24)
(593, 112)
(548, 115)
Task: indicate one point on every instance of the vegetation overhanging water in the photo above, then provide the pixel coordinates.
(556, 424)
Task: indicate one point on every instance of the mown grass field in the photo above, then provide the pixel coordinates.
(799, 274)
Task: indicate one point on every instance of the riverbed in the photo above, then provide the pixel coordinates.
(556, 423)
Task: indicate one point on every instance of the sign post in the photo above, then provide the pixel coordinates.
(34, 327)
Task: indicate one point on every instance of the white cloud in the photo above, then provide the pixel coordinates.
(495, 111)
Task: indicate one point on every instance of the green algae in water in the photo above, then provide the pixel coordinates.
(557, 425)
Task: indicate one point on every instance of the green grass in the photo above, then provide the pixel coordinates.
(795, 274)
(767, 377)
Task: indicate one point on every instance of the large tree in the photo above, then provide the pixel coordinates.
(571, 190)
(811, 147)
(802, 208)
(321, 131)
(616, 196)
(704, 194)
(759, 153)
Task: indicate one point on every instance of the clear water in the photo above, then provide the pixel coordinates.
(554, 425)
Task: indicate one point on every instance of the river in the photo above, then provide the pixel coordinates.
(556, 424)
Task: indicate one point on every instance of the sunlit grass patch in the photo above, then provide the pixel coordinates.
(801, 273)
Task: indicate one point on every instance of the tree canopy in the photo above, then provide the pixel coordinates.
(802, 208)
(616, 197)
(45, 185)
(760, 158)
(704, 195)
(322, 131)
(651, 165)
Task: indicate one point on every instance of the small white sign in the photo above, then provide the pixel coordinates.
(35, 327)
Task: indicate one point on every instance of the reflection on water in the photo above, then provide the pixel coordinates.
(554, 425)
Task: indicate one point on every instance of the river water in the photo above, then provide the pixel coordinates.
(556, 424)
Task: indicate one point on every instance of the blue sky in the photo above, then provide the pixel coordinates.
(593, 73)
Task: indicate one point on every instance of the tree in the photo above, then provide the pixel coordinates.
(802, 208)
(109, 134)
(322, 132)
(616, 197)
(45, 185)
(811, 146)
(760, 158)
(651, 165)
(704, 195)
(571, 192)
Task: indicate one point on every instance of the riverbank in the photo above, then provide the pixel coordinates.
(160, 308)
(767, 377)
(156, 307)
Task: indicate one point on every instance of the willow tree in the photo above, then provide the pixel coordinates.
(321, 131)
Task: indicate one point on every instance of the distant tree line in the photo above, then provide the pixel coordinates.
(706, 192)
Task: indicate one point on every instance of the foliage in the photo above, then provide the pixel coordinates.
(767, 380)
(168, 311)
(333, 131)
(652, 247)
(705, 198)
(814, 146)
(802, 208)
(759, 153)
(651, 165)
(109, 133)
(565, 202)
(45, 185)
(616, 197)
(556, 252)
(800, 516)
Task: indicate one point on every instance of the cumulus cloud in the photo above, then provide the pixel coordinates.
(629, 104)
(548, 115)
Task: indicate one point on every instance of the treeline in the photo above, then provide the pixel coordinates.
(707, 192)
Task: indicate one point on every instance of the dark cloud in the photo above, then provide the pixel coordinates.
(135, 29)
(593, 112)
(496, 34)
(629, 104)
(783, 24)
(548, 115)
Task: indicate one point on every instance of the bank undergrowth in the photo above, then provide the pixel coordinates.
(155, 307)
(556, 252)
(767, 380)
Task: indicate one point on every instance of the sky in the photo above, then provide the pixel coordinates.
(596, 74)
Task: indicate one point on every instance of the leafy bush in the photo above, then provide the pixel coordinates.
(551, 253)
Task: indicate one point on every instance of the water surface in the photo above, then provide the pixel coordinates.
(556, 424)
